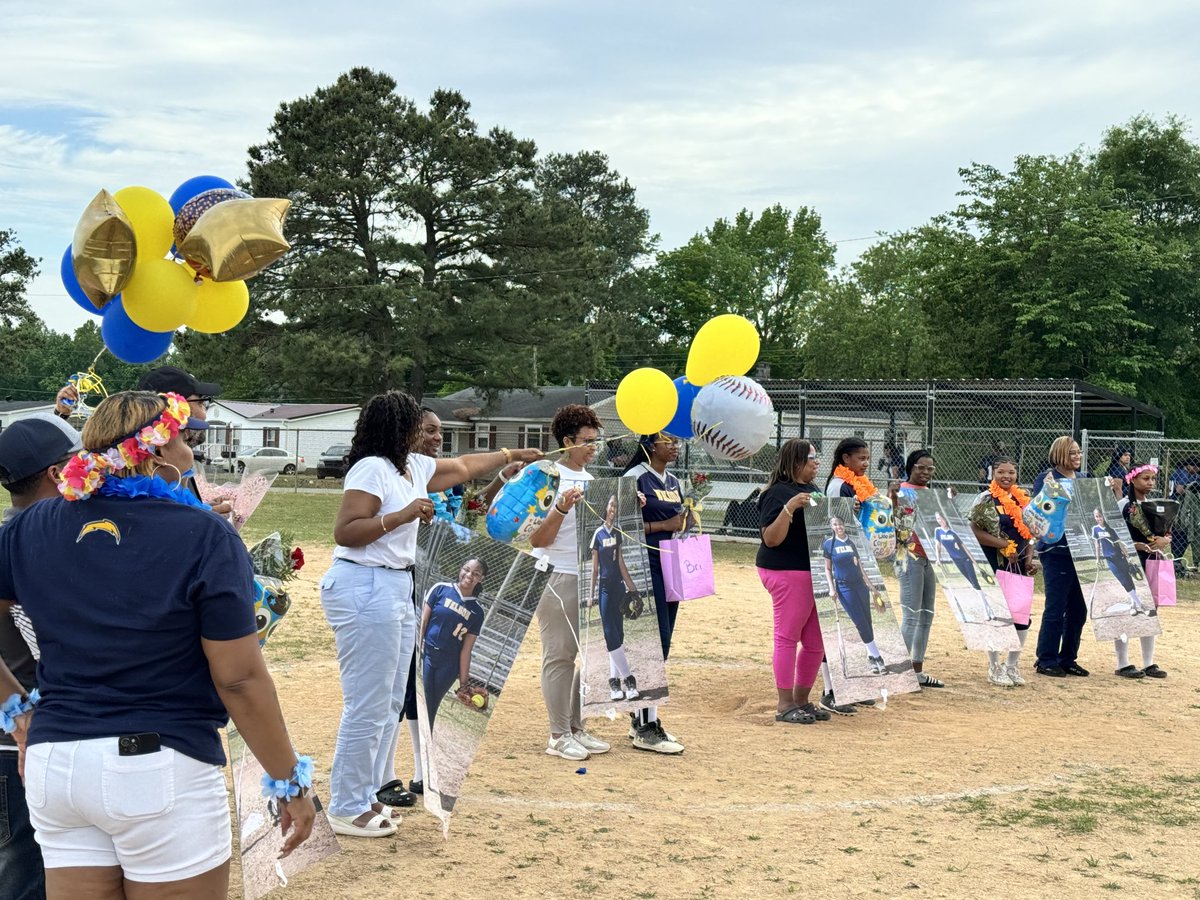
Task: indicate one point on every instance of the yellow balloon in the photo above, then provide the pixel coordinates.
(160, 296)
(152, 220)
(219, 306)
(646, 400)
(724, 345)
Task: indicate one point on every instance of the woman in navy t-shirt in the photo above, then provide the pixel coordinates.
(451, 621)
(148, 647)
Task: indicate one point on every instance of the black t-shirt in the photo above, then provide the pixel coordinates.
(792, 552)
(120, 592)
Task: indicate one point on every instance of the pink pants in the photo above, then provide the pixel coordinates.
(795, 624)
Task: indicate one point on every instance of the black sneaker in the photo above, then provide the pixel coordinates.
(864, 702)
(827, 703)
(1052, 671)
(1076, 669)
(631, 691)
(417, 787)
(652, 737)
(614, 689)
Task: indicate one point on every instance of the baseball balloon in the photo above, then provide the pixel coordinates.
(733, 417)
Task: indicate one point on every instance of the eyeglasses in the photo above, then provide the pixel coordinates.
(813, 456)
(671, 443)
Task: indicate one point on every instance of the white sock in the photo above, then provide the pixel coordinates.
(1137, 604)
(873, 650)
(415, 732)
(1148, 649)
(1122, 653)
(617, 663)
(993, 658)
(1014, 656)
(827, 678)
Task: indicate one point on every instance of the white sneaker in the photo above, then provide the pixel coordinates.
(631, 691)
(567, 747)
(590, 743)
(1014, 675)
(998, 675)
(614, 689)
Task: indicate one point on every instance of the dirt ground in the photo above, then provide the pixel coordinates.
(1066, 788)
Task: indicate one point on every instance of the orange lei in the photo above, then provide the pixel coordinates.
(1012, 502)
(863, 488)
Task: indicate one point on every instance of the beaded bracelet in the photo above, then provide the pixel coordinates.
(295, 786)
(15, 706)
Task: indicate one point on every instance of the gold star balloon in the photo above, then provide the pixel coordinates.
(236, 239)
(103, 249)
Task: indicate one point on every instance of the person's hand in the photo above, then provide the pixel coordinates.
(568, 498)
(1160, 543)
(421, 508)
(527, 455)
(1032, 567)
(510, 471)
(20, 736)
(641, 500)
(66, 400)
(675, 523)
(223, 508)
(297, 816)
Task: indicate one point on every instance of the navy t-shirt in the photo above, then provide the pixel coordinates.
(120, 592)
(451, 618)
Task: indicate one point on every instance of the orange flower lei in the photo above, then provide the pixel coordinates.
(1012, 502)
(863, 488)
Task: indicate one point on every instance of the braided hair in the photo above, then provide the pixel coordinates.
(387, 426)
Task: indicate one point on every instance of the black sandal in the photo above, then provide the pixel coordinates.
(1130, 672)
(816, 712)
(394, 794)
(796, 716)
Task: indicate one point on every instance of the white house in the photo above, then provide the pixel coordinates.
(12, 410)
(306, 429)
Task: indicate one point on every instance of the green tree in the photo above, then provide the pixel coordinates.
(770, 269)
(17, 269)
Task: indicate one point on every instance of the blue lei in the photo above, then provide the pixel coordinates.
(151, 486)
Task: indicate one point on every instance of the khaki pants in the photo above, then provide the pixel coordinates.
(558, 624)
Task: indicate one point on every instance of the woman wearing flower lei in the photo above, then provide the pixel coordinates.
(1007, 543)
(1140, 481)
(149, 646)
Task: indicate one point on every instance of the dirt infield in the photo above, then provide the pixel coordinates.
(1065, 788)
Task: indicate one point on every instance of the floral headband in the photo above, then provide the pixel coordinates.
(86, 471)
(1134, 473)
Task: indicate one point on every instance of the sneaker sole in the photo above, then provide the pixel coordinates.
(561, 755)
(657, 748)
(838, 712)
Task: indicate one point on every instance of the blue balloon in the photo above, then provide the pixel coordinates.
(126, 341)
(194, 186)
(522, 504)
(71, 283)
(681, 425)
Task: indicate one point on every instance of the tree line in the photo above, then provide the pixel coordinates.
(430, 254)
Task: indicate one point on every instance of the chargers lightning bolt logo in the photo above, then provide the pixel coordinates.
(107, 526)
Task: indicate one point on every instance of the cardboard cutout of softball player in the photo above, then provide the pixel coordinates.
(258, 827)
(964, 574)
(867, 655)
(475, 600)
(1114, 587)
(619, 646)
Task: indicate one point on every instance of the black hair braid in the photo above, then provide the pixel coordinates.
(386, 427)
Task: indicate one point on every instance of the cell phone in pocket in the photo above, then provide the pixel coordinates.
(138, 744)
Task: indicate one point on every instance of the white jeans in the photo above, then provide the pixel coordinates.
(160, 816)
(370, 610)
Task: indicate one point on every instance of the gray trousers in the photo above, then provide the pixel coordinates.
(917, 587)
(558, 624)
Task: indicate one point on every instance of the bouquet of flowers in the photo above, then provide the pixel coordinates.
(274, 565)
(701, 486)
(243, 496)
(697, 488)
(473, 508)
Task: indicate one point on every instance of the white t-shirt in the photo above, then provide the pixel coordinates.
(564, 552)
(377, 476)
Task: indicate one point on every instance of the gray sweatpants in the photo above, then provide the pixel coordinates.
(917, 587)
(558, 624)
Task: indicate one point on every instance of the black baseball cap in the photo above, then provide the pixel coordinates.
(30, 445)
(173, 378)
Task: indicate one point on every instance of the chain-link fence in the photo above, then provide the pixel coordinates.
(965, 424)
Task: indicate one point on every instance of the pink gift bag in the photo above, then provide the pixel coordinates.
(1018, 593)
(1160, 575)
(687, 568)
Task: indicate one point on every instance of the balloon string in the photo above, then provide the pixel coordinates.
(619, 530)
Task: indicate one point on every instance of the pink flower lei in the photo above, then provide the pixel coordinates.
(1134, 473)
(85, 472)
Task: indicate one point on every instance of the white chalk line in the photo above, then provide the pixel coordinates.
(999, 790)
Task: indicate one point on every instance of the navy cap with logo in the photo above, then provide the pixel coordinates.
(33, 444)
(173, 378)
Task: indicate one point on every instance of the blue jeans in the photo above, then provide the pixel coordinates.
(21, 873)
(1066, 611)
(917, 586)
(374, 625)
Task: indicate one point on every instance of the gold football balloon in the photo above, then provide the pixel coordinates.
(237, 239)
(103, 249)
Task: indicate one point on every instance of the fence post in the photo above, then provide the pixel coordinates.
(1083, 448)
(296, 477)
(930, 394)
(803, 397)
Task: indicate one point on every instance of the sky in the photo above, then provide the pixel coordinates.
(863, 111)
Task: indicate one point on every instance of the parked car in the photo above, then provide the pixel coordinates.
(216, 456)
(332, 463)
(268, 459)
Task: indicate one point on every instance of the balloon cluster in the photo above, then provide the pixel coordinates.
(730, 415)
(148, 265)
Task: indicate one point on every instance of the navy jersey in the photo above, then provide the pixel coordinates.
(844, 558)
(951, 543)
(838, 488)
(664, 499)
(1107, 539)
(606, 543)
(451, 618)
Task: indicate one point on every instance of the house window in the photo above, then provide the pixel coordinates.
(270, 437)
(447, 440)
(482, 438)
(534, 436)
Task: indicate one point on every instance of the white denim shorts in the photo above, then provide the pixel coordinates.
(160, 816)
